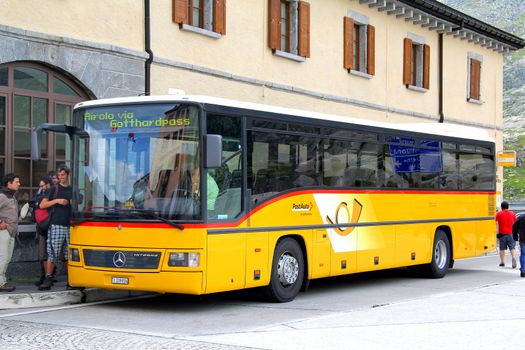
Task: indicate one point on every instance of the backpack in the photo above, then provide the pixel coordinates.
(43, 216)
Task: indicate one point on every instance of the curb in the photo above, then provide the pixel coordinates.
(65, 297)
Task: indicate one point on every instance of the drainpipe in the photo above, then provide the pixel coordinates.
(147, 43)
(440, 63)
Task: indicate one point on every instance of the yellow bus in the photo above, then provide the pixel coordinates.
(196, 195)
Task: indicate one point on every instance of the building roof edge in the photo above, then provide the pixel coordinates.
(440, 10)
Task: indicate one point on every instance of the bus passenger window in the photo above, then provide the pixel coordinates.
(449, 178)
(476, 171)
(350, 164)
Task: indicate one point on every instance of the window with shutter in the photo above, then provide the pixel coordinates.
(274, 19)
(304, 29)
(201, 16)
(219, 16)
(348, 61)
(289, 28)
(416, 65)
(474, 78)
(371, 50)
(359, 45)
(407, 62)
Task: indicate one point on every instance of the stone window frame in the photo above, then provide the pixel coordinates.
(298, 29)
(361, 22)
(416, 62)
(213, 24)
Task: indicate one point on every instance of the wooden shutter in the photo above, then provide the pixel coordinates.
(219, 16)
(274, 24)
(304, 29)
(348, 43)
(475, 74)
(407, 61)
(180, 11)
(371, 54)
(426, 66)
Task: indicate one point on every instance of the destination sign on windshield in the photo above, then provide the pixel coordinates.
(113, 119)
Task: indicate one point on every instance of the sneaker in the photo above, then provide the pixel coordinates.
(514, 263)
(47, 284)
(7, 288)
(522, 273)
(502, 265)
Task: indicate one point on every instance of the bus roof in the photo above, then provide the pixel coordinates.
(443, 129)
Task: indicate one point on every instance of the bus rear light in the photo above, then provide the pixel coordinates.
(184, 259)
(74, 254)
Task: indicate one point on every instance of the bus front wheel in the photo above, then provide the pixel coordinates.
(441, 256)
(287, 271)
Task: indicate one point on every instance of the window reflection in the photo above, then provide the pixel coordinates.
(3, 76)
(61, 88)
(22, 143)
(22, 110)
(39, 111)
(140, 157)
(30, 79)
(2, 110)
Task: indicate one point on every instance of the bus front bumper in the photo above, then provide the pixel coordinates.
(160, 282)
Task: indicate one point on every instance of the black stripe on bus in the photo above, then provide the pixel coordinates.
(359, 224)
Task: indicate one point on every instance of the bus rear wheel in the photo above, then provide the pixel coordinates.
(441, 256)
(287, 272)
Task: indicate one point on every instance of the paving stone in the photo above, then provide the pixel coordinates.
(28, 335)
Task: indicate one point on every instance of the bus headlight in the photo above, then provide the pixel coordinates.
(184, 259)
(74, 254)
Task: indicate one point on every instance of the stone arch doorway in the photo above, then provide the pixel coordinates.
(32, 94)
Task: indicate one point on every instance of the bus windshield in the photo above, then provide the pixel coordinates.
(137, 161)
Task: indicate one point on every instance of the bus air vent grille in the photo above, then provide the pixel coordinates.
(121, 259)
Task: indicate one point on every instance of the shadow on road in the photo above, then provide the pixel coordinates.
(384, 280)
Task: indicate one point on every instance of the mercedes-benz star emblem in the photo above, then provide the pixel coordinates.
(119, 259)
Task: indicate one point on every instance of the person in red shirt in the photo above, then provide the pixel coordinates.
(505, 219)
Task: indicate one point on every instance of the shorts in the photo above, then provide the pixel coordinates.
(56, 237)
(507, 241)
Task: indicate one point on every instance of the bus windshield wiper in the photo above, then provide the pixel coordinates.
(135, 213)
(141, 213)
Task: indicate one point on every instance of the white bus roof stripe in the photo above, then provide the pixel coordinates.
(443, 129)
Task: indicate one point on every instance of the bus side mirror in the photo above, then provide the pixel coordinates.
(36, 136)
(213, 147)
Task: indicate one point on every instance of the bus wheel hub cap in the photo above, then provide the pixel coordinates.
(288, 270)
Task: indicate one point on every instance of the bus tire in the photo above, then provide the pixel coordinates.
(287, 272)
(441, 257)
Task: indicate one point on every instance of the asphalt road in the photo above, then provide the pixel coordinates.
(232, 319)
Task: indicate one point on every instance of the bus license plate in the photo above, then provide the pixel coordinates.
(119, 280)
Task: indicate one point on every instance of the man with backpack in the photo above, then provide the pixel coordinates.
(59, 202)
